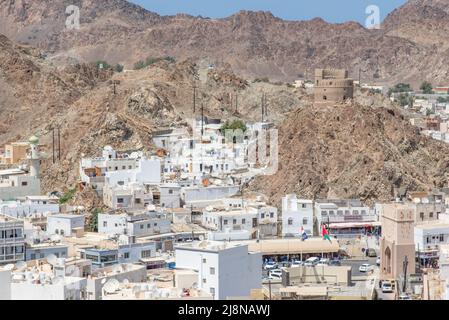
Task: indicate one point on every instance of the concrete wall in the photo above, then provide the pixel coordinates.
(95, 285)
(42, 252)
(66, 224)
(69, 291)
(5, 285)
(32, 188)
(319, 274)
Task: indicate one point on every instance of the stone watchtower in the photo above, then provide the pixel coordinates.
(397, 240)
(332, 86)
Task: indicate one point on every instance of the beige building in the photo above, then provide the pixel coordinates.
(332, 86)
(397, 240)
(14, 153)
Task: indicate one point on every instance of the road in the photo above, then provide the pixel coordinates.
(355, 264)
(384, 296)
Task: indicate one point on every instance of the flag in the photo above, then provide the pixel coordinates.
(303, 234)
(326, 234)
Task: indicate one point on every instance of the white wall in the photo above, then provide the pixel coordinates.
(29, 291)
(236, 271)
(292, 208)
(5, 285)
(58, 223)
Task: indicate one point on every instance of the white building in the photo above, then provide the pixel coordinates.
(15, 183)
(297, 214)
(93, 171)
(224, 269)
(348, 217)
(12, 240)
(66, 225)
(32, 206)
(429, 236)
(201, 197)
(134, 224)
(238, 219)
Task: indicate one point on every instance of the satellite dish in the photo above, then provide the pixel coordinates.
(117, 269)
(125, 281)
(9, 267)
(71, 270)
(111, 286)
(58, 281)
(136, 290)
(55, 238)
(21, 265)
(195, 285)
(103, 281)
(52, 259)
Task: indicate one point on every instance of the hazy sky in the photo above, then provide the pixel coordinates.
(329, 10)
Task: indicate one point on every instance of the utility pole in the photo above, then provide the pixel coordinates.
(59, 143)
(202, 120)
(236, 102)
(53, 145)
(194, 99)
(404, 287)
(262, 108)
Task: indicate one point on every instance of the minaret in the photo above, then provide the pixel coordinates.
(34, 157)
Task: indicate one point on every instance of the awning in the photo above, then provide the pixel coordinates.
(347, 225)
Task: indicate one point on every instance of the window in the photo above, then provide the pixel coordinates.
(149, 225)
(212, 270)
(431, 215)
(271, 214)
(204, 260)
(303, 205)
(262, 215)
(331, 212)
(204, 280)
(421, 215)
(33, 256)
(116, 168)
(212, 291)
(304, 221)
(225, 222)
(124, 168)
(441, 237)
(138, 201)
(126, 255)
(141, 226)
(427, 239)
(105, 224)
(355, 212)
(24, 183)
(290, 221)
(116, 225)
(146, 254)
(130, 167)
(155, 224)
(234, 221)
(170, 191)
(347, 213)
(243, 221)
(120, 200)
(324, 213)
(339, 212)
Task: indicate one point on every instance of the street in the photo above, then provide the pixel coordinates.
(355, 264)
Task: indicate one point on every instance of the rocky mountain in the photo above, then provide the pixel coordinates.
(37, 96)
(411, 46)
(365, 149)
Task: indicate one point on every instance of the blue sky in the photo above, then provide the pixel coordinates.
(329, 10)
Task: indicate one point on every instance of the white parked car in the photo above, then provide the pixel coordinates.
(311, 262)
(271, 265)
(378, 261)
(405, 296)
(366, 267)
(387, 287)
(296, 264)
(275, 274)
(323, 262)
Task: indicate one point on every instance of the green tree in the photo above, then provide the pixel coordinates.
(103, 63)
(68, 196)
(234, 125)
(139, 65)
(426, 87)
(400, 87)
(93, 223)
(118, 67)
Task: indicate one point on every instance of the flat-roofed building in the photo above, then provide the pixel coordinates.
(12, 240)
(224, 269)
